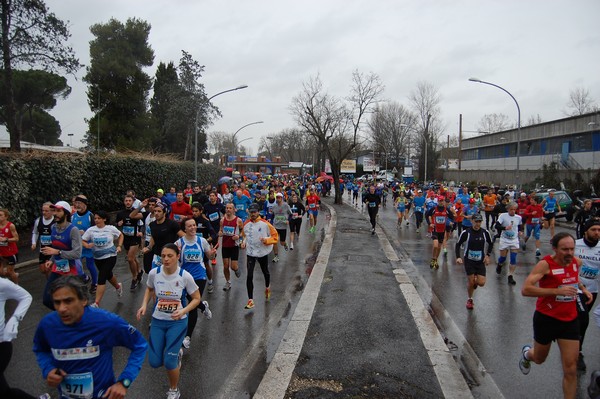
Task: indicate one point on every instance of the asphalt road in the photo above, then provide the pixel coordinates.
(497, 328)
(229, 353)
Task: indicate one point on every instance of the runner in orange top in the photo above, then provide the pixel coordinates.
(490, 199)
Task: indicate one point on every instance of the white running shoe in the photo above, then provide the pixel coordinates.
(207, 312)
(173, 394)
(524, 363)
(227, 286)
(186, 342)
(120, 290)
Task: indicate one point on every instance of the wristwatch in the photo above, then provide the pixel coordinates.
(126, 382)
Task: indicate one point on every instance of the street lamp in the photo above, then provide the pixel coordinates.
(424, 137)
(71, 137)
(198, 116)
(235, 135)
(518, 123)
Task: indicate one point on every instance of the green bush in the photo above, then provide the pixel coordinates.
(29, 180)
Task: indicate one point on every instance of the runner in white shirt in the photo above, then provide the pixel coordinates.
(510, 226)
(169, 283)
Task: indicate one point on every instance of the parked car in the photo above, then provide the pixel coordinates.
(578, 199)
(564, 200)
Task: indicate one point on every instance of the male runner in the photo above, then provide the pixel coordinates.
(131, 242)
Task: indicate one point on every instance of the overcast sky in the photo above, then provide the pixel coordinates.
(537, 50)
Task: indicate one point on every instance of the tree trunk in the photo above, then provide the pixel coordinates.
(335, 170)
(10, 108)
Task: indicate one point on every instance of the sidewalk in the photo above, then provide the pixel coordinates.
(360, 328)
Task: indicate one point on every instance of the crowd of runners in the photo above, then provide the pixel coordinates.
(175, 236)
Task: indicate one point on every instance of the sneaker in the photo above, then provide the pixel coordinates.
(524, 363)
(133, 285)
(210, 288)
(227, 286)
(120, 290)
(93, 289)
(436, 265)
(186, 342)
(372, 232)
(581, 363)
(524, 246)
(407, 223)
(511, 280)
(250, 304)
(86, 279)
(173, 394)
(237, 272)
(45, 396)
(275, 259)
(207, 313)
(593, 388)
(291, 245)
(499, 268)
(445, 253)
(267, 293)
(432, 263)
(179, 359)
(470, 304)
(285, 246)
(139, 277)
(538, 253)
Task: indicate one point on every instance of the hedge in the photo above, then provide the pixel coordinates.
(29, 180)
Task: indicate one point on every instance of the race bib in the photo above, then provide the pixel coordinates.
(100, 241)
(213, 216)
(294, 215)
(418, 209)
(62, 266)
(475, 255)
(280, 218)
(177, 217)
(192, 255)
(312, 206)
(566, 298)
(535, 220)
(168, 305)
(588, 272)
(509, 234)
(46, 240)
(239, 207)
(228, 230)
(440, 219)
(129, 230)
(77, 386)
(372, 204)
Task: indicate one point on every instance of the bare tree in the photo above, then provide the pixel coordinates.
(289, 144)
(492, 123)
(335, 123)
(580, 102)
(390, 131)
(425, 102)
(533, 120)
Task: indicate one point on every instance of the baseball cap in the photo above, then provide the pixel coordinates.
(279, 195)
(253, 208)
(523, 195)
(419, 191)
(441, 198)
(477, 217)
(160, 190)
(64, 205)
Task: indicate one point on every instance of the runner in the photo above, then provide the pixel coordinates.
(168, 283)
(83, 219)
(100, 240)
(147, 217)
(162, 231)
(64, 251)
(490, 200)
(131, 241)
(295, 219)
(8, 333)
(438, 220)
(204, 229)
(476, 255)
(419, 212)
(510, 227)
(230, 230)
(554, 280)
(258, 239)
(550, 206)
(312, 202)
(400, 209)
(582, 217)
(193, 251)
(373, 202)
(42, 231)
(241, 203)
(74, 345)
(588, 250)
(281, 213)
(533, 215)
(8, 247)
(180, 209)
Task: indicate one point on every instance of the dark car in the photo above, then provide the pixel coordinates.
(565, 202)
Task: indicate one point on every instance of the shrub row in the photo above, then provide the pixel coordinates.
(29, 180)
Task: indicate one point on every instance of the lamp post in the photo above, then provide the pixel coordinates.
(233, 138)
(71, 137)
(196, 130)
(518, 124)
(424, 137)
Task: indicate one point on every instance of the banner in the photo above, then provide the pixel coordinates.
(327, 166)
(368, 164)
(348, 166)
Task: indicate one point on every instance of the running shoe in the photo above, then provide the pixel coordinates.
(499, 268)
(45, 396)
(173, 394)
(93, 288)
(133, 285)
(511, 280)
(538, 253)
(594, 387)
(470, 304)
(237, 272)
(186, 342)
(250, 304)
(275, 259)
(372, 232)
(581, 366)
(207, 313)
(227, 286)
(139, 276)
(179, 358)
(407, 223)
(285, 246)
(432, 263)
(210, 288)
(87, 279)
(436, 265)
(291, 245)
(120, 290)
(267, 293)
(524, 363)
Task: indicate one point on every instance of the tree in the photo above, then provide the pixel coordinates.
(580, 102)
(492, 123)
(533, 120)
(33, 36)
(118, 86)
(425, 100)
(34, 92)
(390, 127)
(289, 144)
(335, 123)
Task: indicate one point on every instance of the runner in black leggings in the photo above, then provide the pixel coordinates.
(373, 202)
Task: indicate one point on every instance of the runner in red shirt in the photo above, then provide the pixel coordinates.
(312, 202)
(534, 214)
(438, 219)
(8, 247)
(179, 209)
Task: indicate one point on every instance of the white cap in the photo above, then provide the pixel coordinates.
(279, 195)
(64, 205)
